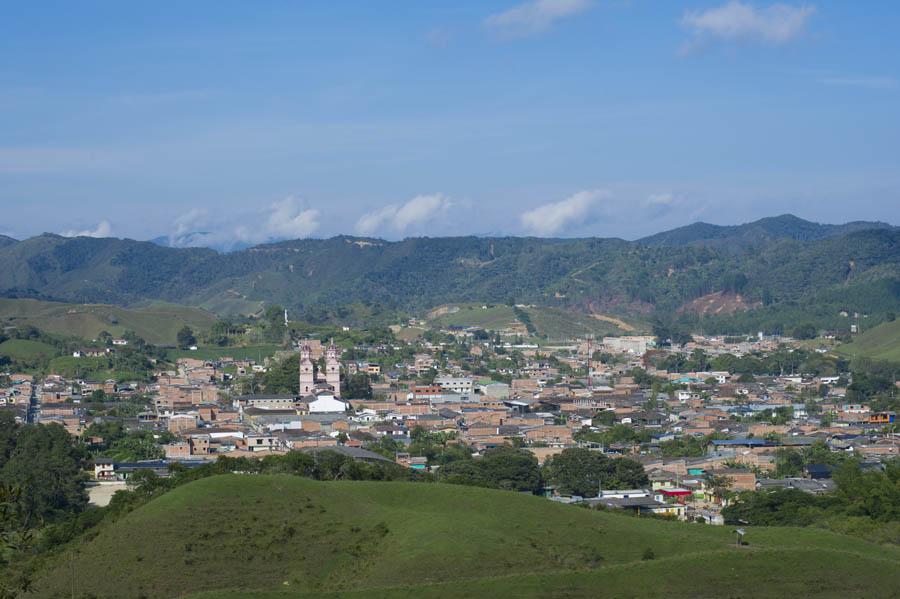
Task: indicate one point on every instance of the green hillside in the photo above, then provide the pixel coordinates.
(26, 349)
(157, 323)
(879, 343)
(281, 535)
(794, 268)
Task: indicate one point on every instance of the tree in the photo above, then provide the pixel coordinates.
(719, 484)
(275, 327)
(357, 386)
(45, 465)
(185, 337)
(578, 471)
(504, 467)
(283, 377)
(806, 330)
(604, 418)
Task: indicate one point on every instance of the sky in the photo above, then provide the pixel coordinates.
(229, 123)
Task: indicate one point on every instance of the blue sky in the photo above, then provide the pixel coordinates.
(259, 120)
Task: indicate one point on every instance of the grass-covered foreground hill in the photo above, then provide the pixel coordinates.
(274, 536)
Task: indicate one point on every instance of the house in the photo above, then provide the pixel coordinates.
(266, 402)
(461, 385)
(415, 463)
(260, 443)
(645, 506)
(106, 469)
(819, 471)
(882, 418)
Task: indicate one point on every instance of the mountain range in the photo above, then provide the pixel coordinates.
(762, 231)
(771, 269)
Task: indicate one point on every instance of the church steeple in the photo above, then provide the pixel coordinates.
(307, 371)
(333, 368)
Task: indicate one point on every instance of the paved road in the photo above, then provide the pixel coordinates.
(34, 407)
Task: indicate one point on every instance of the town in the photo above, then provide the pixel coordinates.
(538, 299)
(702, 422)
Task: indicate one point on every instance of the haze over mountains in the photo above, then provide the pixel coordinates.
(793, 264)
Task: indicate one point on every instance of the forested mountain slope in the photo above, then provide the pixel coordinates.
(761, 232)
(317, 276)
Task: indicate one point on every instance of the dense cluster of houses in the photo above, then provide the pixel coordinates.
(542, 405)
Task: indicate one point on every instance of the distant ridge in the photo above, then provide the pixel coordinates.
(5, 241)
(773, 228)
(782, 262)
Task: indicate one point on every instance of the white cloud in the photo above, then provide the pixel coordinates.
(286, 219)
(739, 21)
(371, 222)
(416, 211)
(864, 82)
(189, 221)
(533, 17)
(550, 219)
(661, 199)
(103, 229)
(289, 219)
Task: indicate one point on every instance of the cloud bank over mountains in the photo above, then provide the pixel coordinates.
(103, 229)
(399, 218)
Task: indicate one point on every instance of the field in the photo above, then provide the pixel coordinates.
(553, 323)
(250, 352)
(97, 369)
(559, 324)
(280, 536)
(880, 343)
(485, 316)
(157, 323)
(26, 349)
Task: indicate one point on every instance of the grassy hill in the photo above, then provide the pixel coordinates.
(273, 536)
(26, 349)
(157, 323)
(880, 343)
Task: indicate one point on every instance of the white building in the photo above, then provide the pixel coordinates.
(327, 403)
(457, 384)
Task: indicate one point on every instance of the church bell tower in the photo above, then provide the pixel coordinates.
(333, 368)
(307, 372)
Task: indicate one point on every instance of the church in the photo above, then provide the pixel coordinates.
(311, 380)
